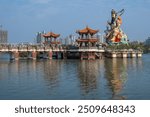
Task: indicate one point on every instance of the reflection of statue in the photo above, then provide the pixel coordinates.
(116, 76)
(114, 34)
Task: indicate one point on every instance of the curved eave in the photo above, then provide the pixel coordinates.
(87, 30)
(51, 34)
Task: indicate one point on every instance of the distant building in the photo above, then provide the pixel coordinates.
(3, 36)
(69, 40)
(39, 37)
(72, 39)
(147, 41)
(100, 37)
(66, 40)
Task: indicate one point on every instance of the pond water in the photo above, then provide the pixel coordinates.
(75, 79)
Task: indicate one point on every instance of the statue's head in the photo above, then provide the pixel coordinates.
(112, 11)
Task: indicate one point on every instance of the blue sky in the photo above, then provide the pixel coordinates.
(23, 18)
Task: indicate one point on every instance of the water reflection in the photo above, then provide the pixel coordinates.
(51, 72)
(88, 74)
(75, 79)
(116, 75)
(135, 64)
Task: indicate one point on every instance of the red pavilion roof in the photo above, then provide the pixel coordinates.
(87, 30)
(51, 34)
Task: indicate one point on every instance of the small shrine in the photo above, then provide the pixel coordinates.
(114, 33)
(50, 38)
(87, 38)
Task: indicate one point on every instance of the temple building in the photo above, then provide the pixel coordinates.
(50, 38)
(87, 37)
(87, 43)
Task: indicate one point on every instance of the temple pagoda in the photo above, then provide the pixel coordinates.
(86, 37)
(50, 38)
(87, 41)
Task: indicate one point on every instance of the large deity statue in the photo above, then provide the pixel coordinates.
(114, 34)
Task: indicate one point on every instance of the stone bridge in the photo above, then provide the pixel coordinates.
(30, 51)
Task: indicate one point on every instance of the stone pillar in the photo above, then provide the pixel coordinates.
(139, 54)
(16, 55)
(50, 55)
(124, 55)
(133, 54)
(34, 55)
(113, 55)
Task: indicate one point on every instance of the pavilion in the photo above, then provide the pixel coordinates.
(87, 42)
(50, 38)
(87, 37)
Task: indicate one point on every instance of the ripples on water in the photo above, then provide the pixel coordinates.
(75, 79)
